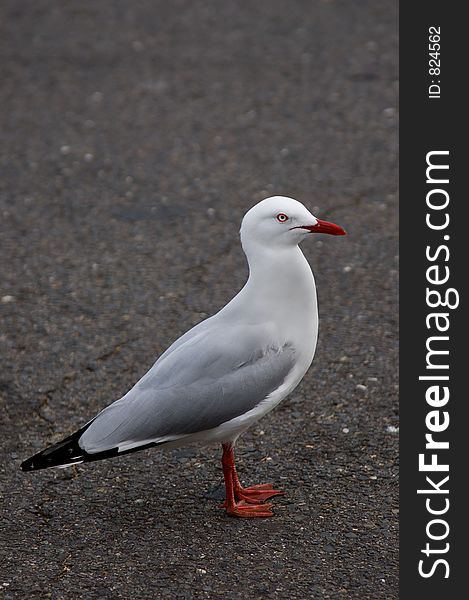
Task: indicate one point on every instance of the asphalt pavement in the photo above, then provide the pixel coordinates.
(134, 136)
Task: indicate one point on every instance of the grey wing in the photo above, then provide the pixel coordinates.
(211, 377)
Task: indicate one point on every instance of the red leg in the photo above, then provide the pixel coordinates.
(235, 505)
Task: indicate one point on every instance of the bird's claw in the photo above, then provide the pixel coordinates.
(258, 493)
(255, 494)
(241, 509)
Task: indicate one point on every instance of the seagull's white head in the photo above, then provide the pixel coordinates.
(280, 222)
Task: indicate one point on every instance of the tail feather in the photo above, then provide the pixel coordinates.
(68, 452)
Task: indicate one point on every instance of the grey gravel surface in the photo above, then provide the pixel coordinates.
(134, 135)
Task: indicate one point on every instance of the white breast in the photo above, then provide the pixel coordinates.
(283, 294)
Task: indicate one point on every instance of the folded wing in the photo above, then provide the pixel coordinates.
(202, 381)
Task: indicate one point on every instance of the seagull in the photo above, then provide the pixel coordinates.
(228, 371)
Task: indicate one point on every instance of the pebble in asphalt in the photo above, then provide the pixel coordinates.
(134, 137)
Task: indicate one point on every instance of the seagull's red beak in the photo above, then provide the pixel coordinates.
(324, 227)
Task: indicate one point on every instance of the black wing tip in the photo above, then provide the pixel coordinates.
(28, 465)
(67, 452)
(63, 453)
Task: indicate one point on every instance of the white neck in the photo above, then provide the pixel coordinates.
(280, 288)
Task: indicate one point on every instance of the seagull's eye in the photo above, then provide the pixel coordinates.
(282, 217)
